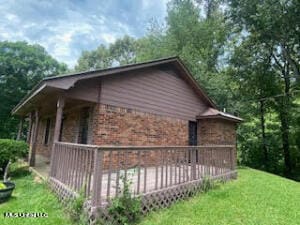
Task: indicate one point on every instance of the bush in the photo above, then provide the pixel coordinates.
(125, 208)
(76, 211)
(10, 151)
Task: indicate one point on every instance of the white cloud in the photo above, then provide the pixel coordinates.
(108, 38)
(66, 28)
(11, 17)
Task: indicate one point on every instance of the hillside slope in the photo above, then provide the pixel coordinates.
(255, 197)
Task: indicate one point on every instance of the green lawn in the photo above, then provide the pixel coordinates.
(254, 198)
(32, 195)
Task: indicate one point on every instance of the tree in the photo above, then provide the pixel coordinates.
(21, 67)
(123, 51)
(273, 28)
(200, 41)
(154, 45)
(256, 80)
(97, 59)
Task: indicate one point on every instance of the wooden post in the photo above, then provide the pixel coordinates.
(59, 114)
(20, 130)
(193, 161)
(97, 179)
(29, 128)
(34, 138)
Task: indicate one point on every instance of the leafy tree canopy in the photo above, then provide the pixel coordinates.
(21, 67)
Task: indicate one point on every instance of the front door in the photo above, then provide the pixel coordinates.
(192, 133)
(193, 139)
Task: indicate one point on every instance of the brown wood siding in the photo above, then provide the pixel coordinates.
(153, 91)
(87, 90)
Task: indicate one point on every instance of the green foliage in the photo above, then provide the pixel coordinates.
(123, 51)
(22, 66)
(11, 150)
(32, 195)
(265, 64)
(92, 60)
(125, 208)
(76, 210)
(207, 184)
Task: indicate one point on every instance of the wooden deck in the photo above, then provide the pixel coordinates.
(151, 181)
(98, 170)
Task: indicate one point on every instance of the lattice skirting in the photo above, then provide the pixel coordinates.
(63, 192)
(161, 198)
(165, 197)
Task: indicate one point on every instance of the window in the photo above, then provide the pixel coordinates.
(47, 131)
(84, 126)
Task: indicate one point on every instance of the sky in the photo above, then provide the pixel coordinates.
(67, 27)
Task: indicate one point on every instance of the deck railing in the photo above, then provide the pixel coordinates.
(72, 165)
(99, 170)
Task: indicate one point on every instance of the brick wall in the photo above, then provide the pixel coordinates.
(111, 125)
(119, 126)
(69, 131)
(43, 149)
(70, 126)
(126, 127)
(216, 131)
(219, 132)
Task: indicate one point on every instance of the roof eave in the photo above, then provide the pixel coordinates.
(197, 85)
(236, 119)
(37, 89)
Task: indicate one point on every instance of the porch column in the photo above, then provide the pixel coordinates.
(34, 139)
(29, 129)
(59, 114)
(20, 130)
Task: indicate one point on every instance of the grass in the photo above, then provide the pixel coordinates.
(255, 198)
(32, 195)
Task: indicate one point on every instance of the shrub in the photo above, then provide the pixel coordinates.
(10, 151)
(125, 208)
(76, 211)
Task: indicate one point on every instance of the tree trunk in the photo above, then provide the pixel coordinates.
(263, 134)
(284, 111)
(285, 137)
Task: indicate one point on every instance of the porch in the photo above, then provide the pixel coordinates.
(160, 174)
